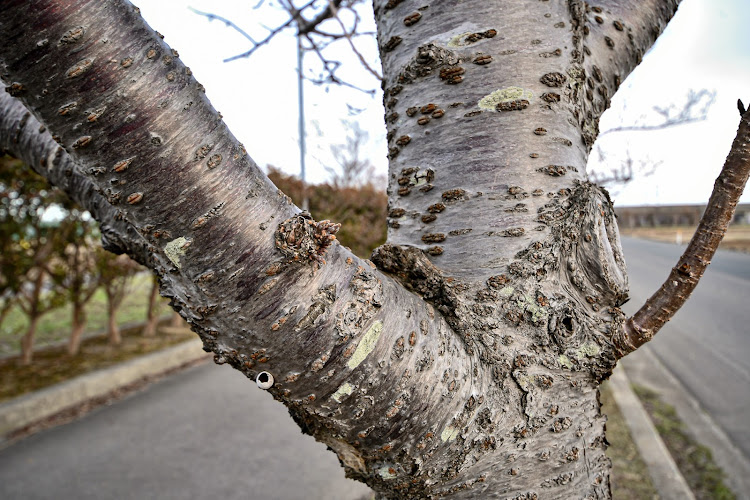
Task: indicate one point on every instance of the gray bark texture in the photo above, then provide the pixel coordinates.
(464, 360)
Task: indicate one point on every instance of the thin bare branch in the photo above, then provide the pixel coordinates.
(227, 22)
(255, 44)
(317, 39)
(330, 11)
(643, 325)
(628, 169)
(356, 51)
(694, 110)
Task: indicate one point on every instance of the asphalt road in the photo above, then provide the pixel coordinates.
(208, 433)
(205, 433)
(706, 346)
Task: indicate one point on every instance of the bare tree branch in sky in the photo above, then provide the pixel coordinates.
(319, 26)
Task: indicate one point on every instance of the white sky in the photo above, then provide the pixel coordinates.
(706, 46)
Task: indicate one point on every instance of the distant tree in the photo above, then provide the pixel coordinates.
(152, 316)
(115, 275)
(28, 239)
(352, 169)
(73, 270)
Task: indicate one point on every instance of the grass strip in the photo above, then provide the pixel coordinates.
(693, 459)
(54, 365)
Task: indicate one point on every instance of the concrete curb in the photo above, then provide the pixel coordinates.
(26, 410)
(667, 478)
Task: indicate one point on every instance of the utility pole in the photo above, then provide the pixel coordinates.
(301, 105)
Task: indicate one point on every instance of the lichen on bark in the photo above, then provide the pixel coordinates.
(464, 360)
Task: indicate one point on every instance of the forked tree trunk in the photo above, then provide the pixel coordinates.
(77, 327)
(149, 330)
(468, 364)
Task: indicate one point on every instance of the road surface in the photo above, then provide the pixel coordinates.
(208, 433)
(706, 346)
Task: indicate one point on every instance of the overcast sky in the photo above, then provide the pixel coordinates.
(705, 47)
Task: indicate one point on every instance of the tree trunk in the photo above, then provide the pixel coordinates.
(176, 320)
(4, 310)
(468, 364)
(149, 330)
(32, 311)
(27, 341)
(113, 330)
(78, 325)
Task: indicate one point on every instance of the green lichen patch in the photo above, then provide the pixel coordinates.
(588, 349)
(504, 95)
(565, 361)
(342, 391)
(537, 312)
(366, 345)
(506, 291)
(450, 433)
(176, 249)
(576, 73)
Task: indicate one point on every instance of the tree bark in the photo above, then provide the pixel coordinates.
(467, 365)
(33, 313)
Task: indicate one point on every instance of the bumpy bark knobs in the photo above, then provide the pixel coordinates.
(303, 239)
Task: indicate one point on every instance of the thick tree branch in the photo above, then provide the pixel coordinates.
(480, 381)
(356, 357)
(684, 277)
(22, 136)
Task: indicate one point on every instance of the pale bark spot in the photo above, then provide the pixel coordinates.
(176, 249)
(366, 345)
(450, 433)
(342, 391)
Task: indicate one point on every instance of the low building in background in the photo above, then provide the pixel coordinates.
(672, 215)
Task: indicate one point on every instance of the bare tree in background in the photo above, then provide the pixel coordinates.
(621, 171)
(320, 25)
(464, 360)
(352, 168)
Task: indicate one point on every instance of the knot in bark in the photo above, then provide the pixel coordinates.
(303, 239)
